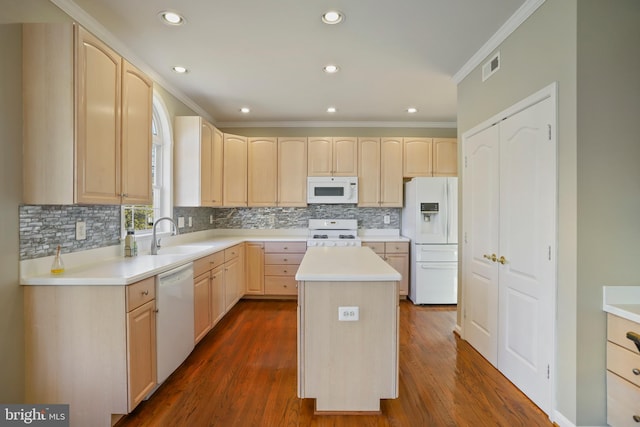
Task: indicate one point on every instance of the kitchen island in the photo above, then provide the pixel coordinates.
(348, 322)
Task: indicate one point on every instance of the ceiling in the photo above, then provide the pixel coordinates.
(269, 55)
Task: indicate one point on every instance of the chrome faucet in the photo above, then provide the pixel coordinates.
(155, 244)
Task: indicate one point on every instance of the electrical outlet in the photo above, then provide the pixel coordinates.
(81, 230)
(180, 222)
(210, 219)
(348, 314)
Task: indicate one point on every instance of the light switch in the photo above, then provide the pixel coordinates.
(81, 230)
(190, 222)
(387, 219)
(180, 222)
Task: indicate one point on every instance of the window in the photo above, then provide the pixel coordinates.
(141, 217)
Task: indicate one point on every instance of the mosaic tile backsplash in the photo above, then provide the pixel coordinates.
(43, 227)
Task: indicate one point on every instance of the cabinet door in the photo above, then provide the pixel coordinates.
(320, 157)
(369, 172)
(98, 121)
(235, 171)
(345, 156)
(217, 164)
(202, 306)
(418, 157)
(137, 98)
(400, 262)
(255, 268)
(218, 306)
(263, 172)
(141, 345)
(292, 172)
(206, 169)
(232, 277)
(445, 157)
(391, 187)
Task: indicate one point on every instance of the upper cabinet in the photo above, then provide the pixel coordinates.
(292, 172)
(430, 157)
(234, 190)
(197, 163)
(263, 172)
(380, 172)
(337, 156)
(87, 120)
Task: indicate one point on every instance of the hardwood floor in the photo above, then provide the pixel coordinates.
(243, 373)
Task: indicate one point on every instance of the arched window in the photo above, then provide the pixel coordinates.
(141, 217)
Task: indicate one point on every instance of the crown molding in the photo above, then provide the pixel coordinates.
(521, 15)
(336, 124)
(80, 16)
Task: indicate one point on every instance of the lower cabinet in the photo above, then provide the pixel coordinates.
(623, 377)
(396, 254)
(233, 275)
(255, 268)
(92, 335)
(281, 262)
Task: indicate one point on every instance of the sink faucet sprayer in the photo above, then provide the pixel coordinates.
(155, 244)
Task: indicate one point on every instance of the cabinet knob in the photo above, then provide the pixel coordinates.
(635, 371)
(145, 292)
(502, 260)
(285, 259)
(636, 418)
(284, 271)
(286, 248)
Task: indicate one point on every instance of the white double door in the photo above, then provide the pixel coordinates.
(509, 266)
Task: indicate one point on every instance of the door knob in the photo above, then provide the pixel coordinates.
(502, 260)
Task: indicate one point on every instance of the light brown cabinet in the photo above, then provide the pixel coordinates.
(623, 377)
(262, 172)
(234, 182)
(380, 172)
(292, 172)
(396, 254)
(198, 162)
(281, 262)
(234, 275)
(208, 293)
(96, 107)
(332, 156)
(254, 268)
(108, 331)
(430, 157)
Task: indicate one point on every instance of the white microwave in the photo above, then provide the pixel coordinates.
(332, 189)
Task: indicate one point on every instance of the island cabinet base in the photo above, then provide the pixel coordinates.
(348, 365)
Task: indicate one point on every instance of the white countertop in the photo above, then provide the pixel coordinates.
(344, 264)
(623, 301)
(106, 266)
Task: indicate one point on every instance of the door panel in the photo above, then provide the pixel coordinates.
(527, 233)
(481, 225)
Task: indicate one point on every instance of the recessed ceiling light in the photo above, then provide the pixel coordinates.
(171, 18)
(180, 70)
(245, 110)
(412, 110)
(330, 69)
(331, 110)
(332, 17)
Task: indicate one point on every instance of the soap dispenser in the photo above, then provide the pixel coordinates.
(58, 266)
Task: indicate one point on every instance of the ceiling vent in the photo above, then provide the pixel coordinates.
(491, 66)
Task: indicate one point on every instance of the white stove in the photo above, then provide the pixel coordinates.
(333, 232)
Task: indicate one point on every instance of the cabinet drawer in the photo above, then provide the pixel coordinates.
(231, 253)
(280, 285)
(283, 258)
(204, 264)
(623, 402)
(281, 270)
(140, 292)
(623, 363)
(377, 247)
(617, 329)
(285, 247)
(396, 247)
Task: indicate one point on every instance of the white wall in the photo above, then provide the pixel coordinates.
(11, 302)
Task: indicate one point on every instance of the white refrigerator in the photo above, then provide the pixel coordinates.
(430, 220)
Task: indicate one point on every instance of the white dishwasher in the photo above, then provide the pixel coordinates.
(174, 322)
